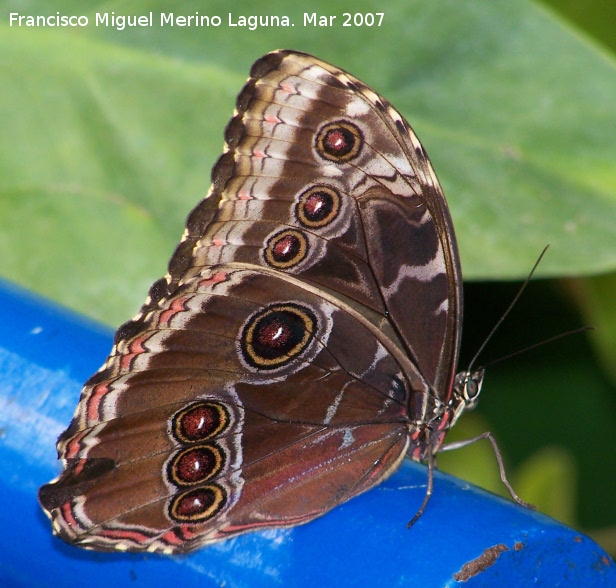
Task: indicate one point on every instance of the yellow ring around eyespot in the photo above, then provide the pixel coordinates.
(309, 327)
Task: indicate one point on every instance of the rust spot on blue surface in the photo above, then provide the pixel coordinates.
(481, 563)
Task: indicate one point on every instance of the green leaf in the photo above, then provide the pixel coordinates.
(101, 166)
(515, 109)
(596, 298)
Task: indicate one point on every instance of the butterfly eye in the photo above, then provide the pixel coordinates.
(472, 387)
(339, 141)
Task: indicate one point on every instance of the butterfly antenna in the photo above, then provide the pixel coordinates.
(500, 321)
(540, 344)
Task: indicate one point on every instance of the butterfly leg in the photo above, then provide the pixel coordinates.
(499, 459)
(424, 504)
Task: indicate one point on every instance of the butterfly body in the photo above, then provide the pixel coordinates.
(302, 344)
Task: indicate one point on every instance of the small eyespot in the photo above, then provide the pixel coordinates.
(286, 249)
(339, 141)
(198, 505)
(196, 464)
(200, 421)
(318, 206)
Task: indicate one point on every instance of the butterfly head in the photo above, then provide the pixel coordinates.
(466, 389)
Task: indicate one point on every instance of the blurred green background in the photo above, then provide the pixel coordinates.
(108, 137)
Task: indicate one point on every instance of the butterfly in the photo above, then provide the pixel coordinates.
(302, 344)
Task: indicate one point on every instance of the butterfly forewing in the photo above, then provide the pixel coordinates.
(309, 321)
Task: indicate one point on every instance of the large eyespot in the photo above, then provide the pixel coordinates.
(339, 141)
(276, 335)
(196, 465)
(198, 505)
(318, 206)
(286, 249)
(200, 421)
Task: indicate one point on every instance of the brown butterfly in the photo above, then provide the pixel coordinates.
(303, 343)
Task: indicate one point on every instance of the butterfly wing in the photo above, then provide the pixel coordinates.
(309, 317)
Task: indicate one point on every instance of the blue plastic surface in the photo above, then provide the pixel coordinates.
(45, 355)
